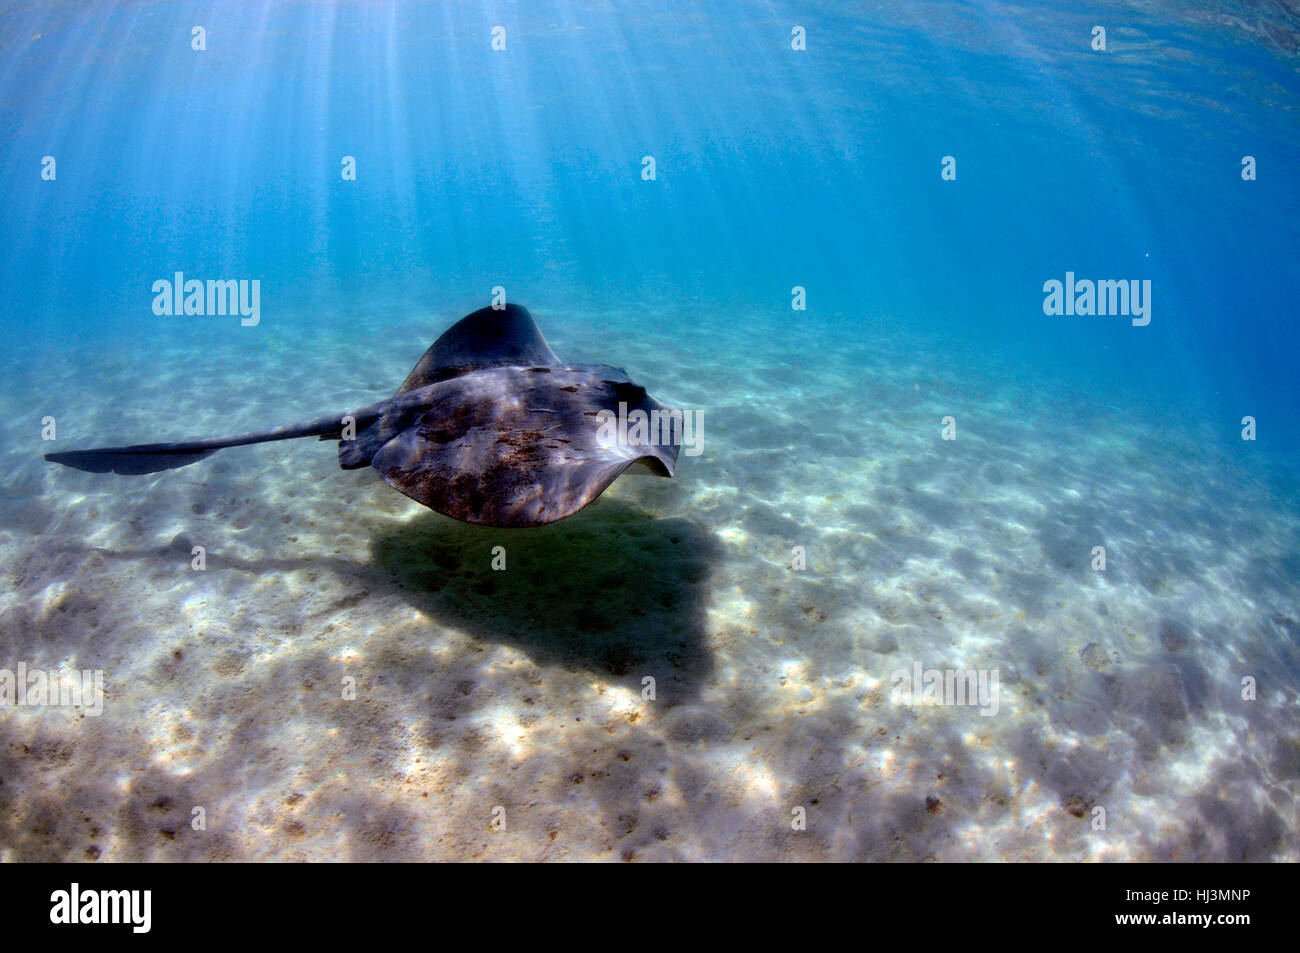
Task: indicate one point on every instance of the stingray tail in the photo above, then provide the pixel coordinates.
(154, 457)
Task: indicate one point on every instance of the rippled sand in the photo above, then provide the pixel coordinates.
(488, 700)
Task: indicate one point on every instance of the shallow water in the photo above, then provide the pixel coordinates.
(1118, 730)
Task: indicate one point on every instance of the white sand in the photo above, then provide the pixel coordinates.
(522, 689)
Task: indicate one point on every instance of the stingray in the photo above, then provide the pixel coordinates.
(490, 427)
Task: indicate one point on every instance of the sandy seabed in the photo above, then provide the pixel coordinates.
(500, 715)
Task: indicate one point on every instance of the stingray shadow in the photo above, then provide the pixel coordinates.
(610, 589)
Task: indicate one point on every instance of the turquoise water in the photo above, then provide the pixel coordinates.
(524, 168)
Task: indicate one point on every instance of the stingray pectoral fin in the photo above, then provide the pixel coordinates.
(500, 477)
(131, 461)
(499, 494)
(659, 466)
(490, 337)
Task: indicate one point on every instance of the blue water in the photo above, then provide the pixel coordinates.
(774, 168)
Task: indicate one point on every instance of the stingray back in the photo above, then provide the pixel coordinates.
(521, 446)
